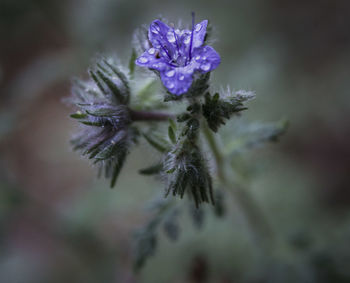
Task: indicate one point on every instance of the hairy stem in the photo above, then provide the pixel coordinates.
(149, 116)
(252, 212)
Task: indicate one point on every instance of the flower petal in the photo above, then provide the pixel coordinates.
(199, 32)
(177, 80)
(149, 60)
(206, 59)
(163, 37)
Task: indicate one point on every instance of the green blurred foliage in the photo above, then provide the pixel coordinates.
(58, 224)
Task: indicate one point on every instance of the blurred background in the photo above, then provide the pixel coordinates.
(59, 223)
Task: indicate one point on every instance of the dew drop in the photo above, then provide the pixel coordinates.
(181, 78)
(198, 58)
(198, 27)
(155, 29)
(170, 36)
(143, 60)
(151, 51)
(206, 67)
(171, 85)
(204, 58)
(187, 39)
(170, 73)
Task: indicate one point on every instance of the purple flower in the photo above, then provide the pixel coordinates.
(177, 54)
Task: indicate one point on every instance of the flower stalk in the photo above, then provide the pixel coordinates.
(149, 116)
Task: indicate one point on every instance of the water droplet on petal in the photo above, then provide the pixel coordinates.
(181, 78)
(155, 29)
(143, 60)
(188, 69)
(151, 51)
(170, 36)
(206, 67)
(204, 58)
(198, 58)
(171, 85)
(170, 73)
(198, 27)
(187, 39)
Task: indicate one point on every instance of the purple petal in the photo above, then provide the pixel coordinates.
(161, 35)
(199, 33)
(205, 59)
(149, 60)
(177, 80)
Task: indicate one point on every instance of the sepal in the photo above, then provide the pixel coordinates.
(217, 110)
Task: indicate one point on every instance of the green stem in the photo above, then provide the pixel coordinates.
(250, 209)
(149, 116)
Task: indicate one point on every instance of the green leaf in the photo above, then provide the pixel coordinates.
(216, 110)
(147, 90)
(171, 134)
(113, 87)
(197, 214)
(159, 144)
(154, 169)
(121, 76)
(183, 117)
(132, 63)
(170, 226)
(97, 81)
(101, 111)
(172, 124)
(78, 115)
(114, 146)
(94, 124)
(145, 247)
(255, 135)
(170, 171)
(118, 166)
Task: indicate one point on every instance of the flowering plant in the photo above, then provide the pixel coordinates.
(115, 99)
